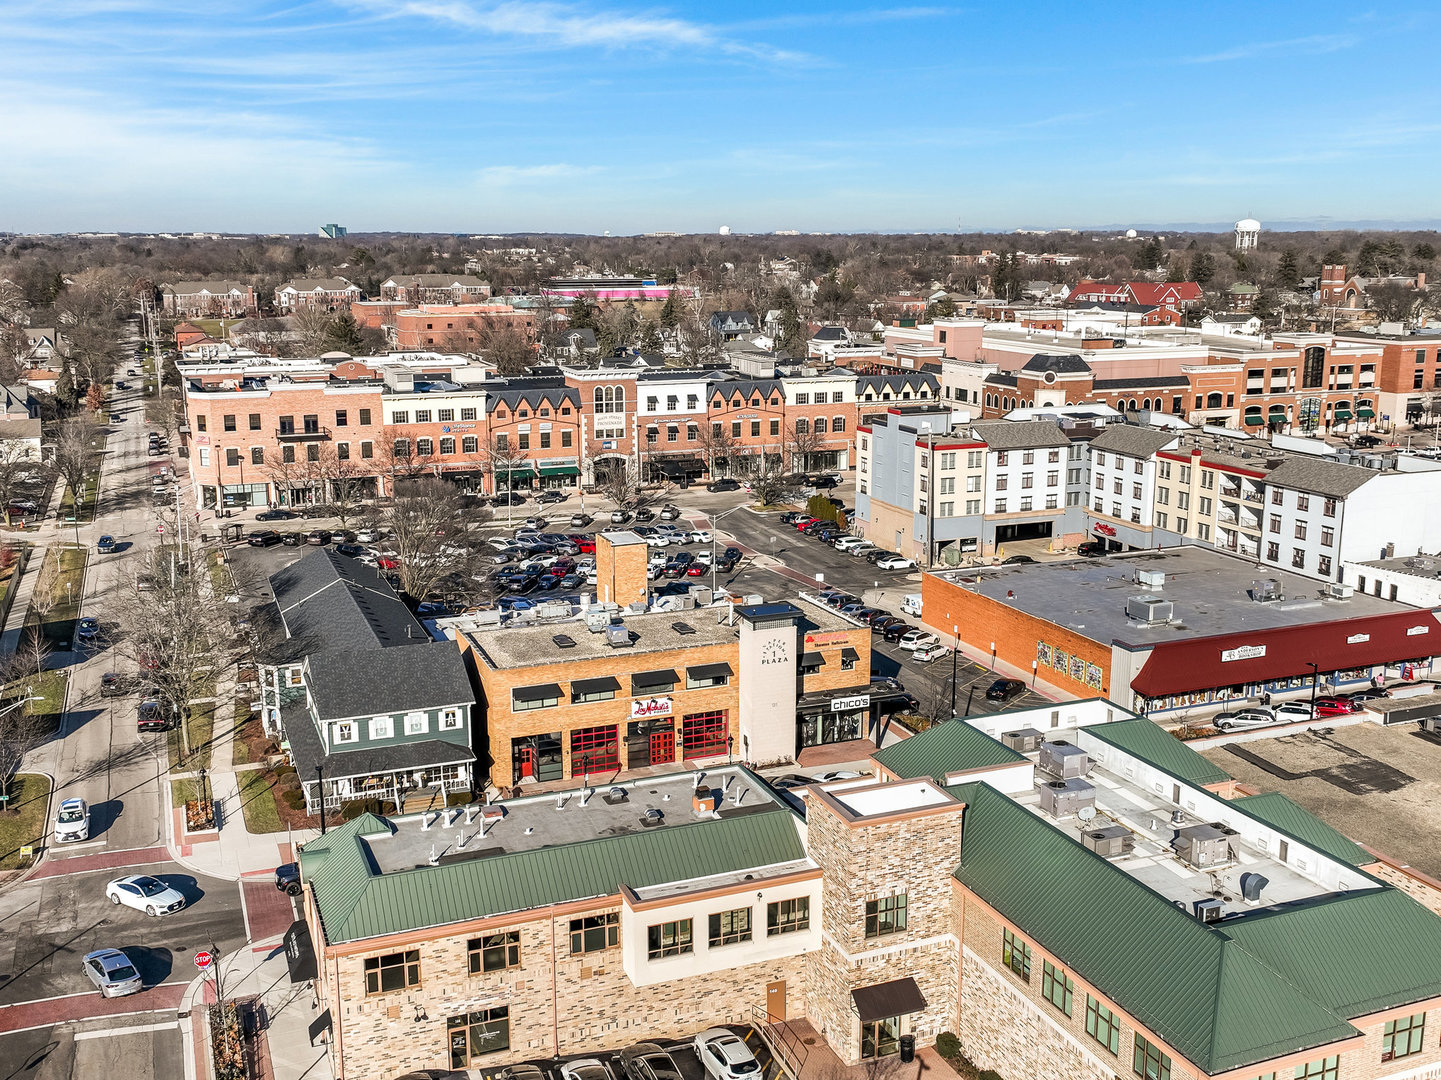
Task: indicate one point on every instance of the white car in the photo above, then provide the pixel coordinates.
(585, 1069)
(658, 539)
(926, 653)
(72, 823)
(699, 536)
(1292, 712)
(725, 1056)
(895, 562)
(370, 536)
(500, 543)
(145, 893)
(1243, 719)
(917, 639)
(845, 543)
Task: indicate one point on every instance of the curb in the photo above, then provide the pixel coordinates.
(29, 871)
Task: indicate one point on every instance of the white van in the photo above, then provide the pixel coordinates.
(911, 604)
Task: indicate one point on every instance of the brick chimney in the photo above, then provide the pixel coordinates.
(620, 562)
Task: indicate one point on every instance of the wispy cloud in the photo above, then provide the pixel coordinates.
(506, 175)
(1314, 45)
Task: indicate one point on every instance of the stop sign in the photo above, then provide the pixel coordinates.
(203, 959)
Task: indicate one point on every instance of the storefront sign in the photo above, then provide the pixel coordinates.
(1356, 639)
(448, 428)
(846, 704)
(1105, 530)
(1245, 652)
(1412, 631)
(659, 706)
(839, 638)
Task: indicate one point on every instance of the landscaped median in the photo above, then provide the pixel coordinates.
(25, 820)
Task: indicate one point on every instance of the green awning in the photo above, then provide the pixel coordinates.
(1254, 419)
(1341, 414)
(515, 474)
(1365, 414)
(560, 470)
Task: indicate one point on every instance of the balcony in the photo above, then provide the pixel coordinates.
(308, 434)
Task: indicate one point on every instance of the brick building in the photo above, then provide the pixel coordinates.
(413, 289)
(461, 327)
(325, 294)
(194, 299)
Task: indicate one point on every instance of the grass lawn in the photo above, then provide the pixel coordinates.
(87, 501)
(201, 728)
(27, 823)
(59, 621)
(219, 575)
(215, 327)
(182, 791)
(48, 688)
(257, 801)
(250, 738)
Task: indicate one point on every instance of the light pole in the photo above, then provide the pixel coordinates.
(1315, 678)
(714, 519)
(955, 648)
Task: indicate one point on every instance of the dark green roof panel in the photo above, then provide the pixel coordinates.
(1296, 821)
(942, 749)
(1151, 743)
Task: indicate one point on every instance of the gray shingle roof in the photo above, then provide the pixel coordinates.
(1069, 364)
(1319, 477)
(1020, 434)
(1139, 383)
(345, 683)
(329, 602)
(1132, 441)
(307, 751)
(331, 284)
(215, 288)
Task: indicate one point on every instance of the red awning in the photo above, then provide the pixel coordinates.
(1182, 667)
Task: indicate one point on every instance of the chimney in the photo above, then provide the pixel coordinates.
(620, 563)
(1421, 279)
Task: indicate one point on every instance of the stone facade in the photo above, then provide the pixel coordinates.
(558, 1003)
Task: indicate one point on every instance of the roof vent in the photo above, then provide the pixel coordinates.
(1251, 886)
(617, 636)
(652, 818)
(682, 628)
(1267, 590)
(563, 641)
(1421, 563)
(1336, 590)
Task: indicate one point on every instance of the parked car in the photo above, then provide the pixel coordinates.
(619, 517)
(1336, 706)
(116, 684)
(105, 545)
(698, 536)
(293, 539)
(670, 512)
(509, 498)
(644, 513)
(580, 521)
(1365, 442)
(584, 545)
(145, 893)
(274, 515)
(585, 1069)
(1005, 690)
(263, 538)
(917, 638)
(369, 534)
(351, 551)
(1091, 549)
(896, 630)
(894, 562)
(87, 629)
(112, 973)
(883, 623)
(728, 560)
(1243, 719)
(876, 615)
(861, 550)
(152, 714)
(723, 485)
(845, 543)
(1371, 693)
(803, 521)
(551, 495)
(535, 523)
(1291, 712)
(72, 822)
(926, 653)
(725, 1056)
(647, 1061)
(319, 537)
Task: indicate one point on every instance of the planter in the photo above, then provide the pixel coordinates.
(199, 815)
(229, 1046)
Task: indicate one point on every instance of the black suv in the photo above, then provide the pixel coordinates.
(287, 878)
(263, 538)
(723, 485)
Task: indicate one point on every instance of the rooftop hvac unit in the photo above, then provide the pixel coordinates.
(1063, 798)
(1336, 590)
(1025, 741)
(1063, 759)
(1111, 842)
(553, 609)
(1151, 579)
(1203, 845)
(1251, 886)
(1149, 609)
(596, 621)
(486, 618)
(1267, 590)
(617, 636)
(1207, 910)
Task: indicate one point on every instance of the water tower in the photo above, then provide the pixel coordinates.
(1248, 234)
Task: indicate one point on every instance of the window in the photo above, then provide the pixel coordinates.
(704, 734)
(775, 427)
(367, 449)
(229, 421)
(365, 416)
(1136, 494)
(1016, 955)
(422, 416)
(594, 748)
(1057, 987)
(199, 422)
(232, 456)
(1027, 480)
(594, 933)
(1148, 1062)
(449, 719)
(1274, 524)
(526, 698)
(1300, 530)
(1326, 1069)
(1273, 551)
(736, 429)
(393, 971)
(523, 439)
(486, 1031)
(1328, 508)
(312, 451)
(1103, 1026)
(470, 444)
(1203, 532)
(1303, 503)
(669, 939)
(1000, 506)
(880, 1038)
(1403, 1037)
(1298, 558)
(1025, 503)
(1160, 520)
(287, 454)
(257, 455)
(886, 915)
(467, 414)
(445, 416)
(545, 439)
(447, 444)
(346, 732)
(803, 399)
(730, 927)
(803, 426)
(820, 425)
(788, 916)
(1163, 496)
(494, 952)
(342, 418)
(1028, 457)
(417, 723)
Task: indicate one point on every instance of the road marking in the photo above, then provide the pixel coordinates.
(105, 1033)
(86, 844)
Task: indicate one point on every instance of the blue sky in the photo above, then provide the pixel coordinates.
(476, 116)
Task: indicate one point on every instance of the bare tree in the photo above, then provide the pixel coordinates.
(75, 456)
(718, 445)
(286, 474)
(766, 473)
(339, 482)
(311, 324)
(16, 464)
(21, 727)
(801, 444)
(428, 534)
(506, 348)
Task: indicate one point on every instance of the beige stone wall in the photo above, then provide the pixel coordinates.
(868, 861)
(558, 1003)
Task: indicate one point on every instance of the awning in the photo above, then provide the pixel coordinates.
(594, 686)
(300, 952)
(899, 997)
(560, 470)
(850, 654)
(1341, 414)
(1259, 656)
(1255, 420)
(519, 474)
(645, 681)
(1365, 414)
(543, 692)
(812, 659)
(709, 671)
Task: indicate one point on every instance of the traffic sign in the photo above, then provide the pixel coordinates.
(203, 960)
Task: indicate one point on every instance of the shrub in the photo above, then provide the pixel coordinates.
(948, 1045)
(294, 798)
(283, 773)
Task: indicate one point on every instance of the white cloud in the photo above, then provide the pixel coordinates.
(1313, 45)
(507, 175)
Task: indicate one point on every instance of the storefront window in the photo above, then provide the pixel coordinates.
(473, 1035)
(831, 727)
(704, 734)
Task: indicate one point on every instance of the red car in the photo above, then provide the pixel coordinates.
(1333, 706)
(386, 563)
(801, 523)
(697, 569)
(584, 542)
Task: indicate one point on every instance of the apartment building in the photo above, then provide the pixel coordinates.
(672, 416)
(420, 289)
(194, 299)
(587, 921)
(326, 294)
(1121, 505)
(1409, 373)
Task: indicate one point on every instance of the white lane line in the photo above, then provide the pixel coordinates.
(105, 1033)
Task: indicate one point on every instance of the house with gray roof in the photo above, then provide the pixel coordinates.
(364, 702)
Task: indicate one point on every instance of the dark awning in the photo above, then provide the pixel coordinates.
(594, 686)
(536, 693)
(643, 681)
(850, 654)
(708, 671)
(812, 659)
(300, 952)
(899, 997)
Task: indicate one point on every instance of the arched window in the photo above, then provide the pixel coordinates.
(600, 400)
(1133, 404)
(1215, 401)
(619, 399)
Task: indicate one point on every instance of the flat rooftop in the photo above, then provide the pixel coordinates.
(1425, 567)
(657, 631)
(559, 819)
(1210, 591)
(1380, 786)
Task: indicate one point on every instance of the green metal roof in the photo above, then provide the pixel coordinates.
(356, 901)
(1299, 823)
(1224, 995)
(1142, 738)
(950, 747)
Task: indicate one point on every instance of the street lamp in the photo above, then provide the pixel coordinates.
(1315, 678)
(714, 519)
(320, 787)
(955, 648)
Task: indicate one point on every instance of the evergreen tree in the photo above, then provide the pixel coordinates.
(65, 392)
(582, 314)
(650, 337)
(1203, 268)
(1423, 252)
(670, 314)
(1287, 272)
(944, 308)
(343, 335)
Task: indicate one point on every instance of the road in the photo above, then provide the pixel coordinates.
(49, 1013)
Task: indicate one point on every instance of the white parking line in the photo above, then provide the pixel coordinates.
(105, 1033)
